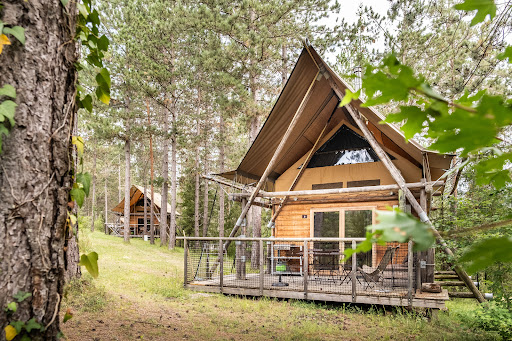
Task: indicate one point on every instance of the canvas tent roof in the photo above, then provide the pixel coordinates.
(321, 105)
(135, 195)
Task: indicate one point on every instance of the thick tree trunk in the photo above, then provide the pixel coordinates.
(222, 129)
(93, 206)
(35, 162)
(119, 195)
(127, 187)
(255, 216)
(165, 185)
(172, 227)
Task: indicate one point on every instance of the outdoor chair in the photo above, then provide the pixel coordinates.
(376, 276)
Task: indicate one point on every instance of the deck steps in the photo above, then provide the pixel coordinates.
(451, 283)
(451, 279)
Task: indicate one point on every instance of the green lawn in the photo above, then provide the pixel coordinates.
(139, 295)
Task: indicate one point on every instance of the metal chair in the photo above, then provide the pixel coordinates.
(374, 277)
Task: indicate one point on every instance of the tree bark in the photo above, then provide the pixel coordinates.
(127, 187)
(205, 200)
(106, 207)
(197, 184)
(222, 129)
(35, 161)
(152, 207)
(172, 228)
(165, 185)
(93, 206)
(145, 202)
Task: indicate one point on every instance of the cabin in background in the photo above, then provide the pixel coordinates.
(137, 213)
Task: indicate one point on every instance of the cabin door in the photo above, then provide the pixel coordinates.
(326, 224)
(336, 223)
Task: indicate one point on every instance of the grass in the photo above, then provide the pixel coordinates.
(139, 295)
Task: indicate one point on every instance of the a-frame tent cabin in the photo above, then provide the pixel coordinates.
(323, 149)
(137, 212)
(327, 142)
(326, 170)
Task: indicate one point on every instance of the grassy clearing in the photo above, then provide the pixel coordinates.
(139, 295)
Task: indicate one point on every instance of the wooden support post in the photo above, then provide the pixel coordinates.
(262, 267)
(185, 263)
(410, 275)
(221, 266)
(273, 160)
(305, 267)
(397, 176)
(354, 273)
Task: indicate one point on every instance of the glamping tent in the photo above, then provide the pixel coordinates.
(324, 170)
(137, 213)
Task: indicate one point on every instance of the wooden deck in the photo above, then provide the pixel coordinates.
(319, 288)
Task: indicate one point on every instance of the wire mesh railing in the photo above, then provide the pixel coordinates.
(305, 265)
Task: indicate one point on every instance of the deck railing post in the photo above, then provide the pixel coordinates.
(185, 261)
(262, 267)
(305, 264)
(410, 264)
(354, 272)
(221, 265)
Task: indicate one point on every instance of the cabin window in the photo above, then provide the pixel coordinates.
(339, 222)
(326, 225)
(345, 147)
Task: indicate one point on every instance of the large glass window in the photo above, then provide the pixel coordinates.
(326, 225)
(343, 148)
(333, 223)
(356, 222)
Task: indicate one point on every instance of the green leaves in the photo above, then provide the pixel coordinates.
(8, 90)
(391, 81)
(90, 262)
(67, 316)
(12, 307)
(78, 195)
(401, 227)
(506, 54)
(493, 170)
(7, 111)
(17, 31)
(485, 253)
(483, 8)
(349, 96)
(22, 296)
(32, 324)
(414, 117)
(103, 89)
(84, 181)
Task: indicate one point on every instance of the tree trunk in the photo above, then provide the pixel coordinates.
(35, 161)
(119, 195)
(255, 216)
(197, 192)
(152, 207)
(284, 66)
(205, 200)
(172, 228)
(93, 206)
(145, 202)
(106, 207)
(165, 185)
(221, 169)
(127, 187)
